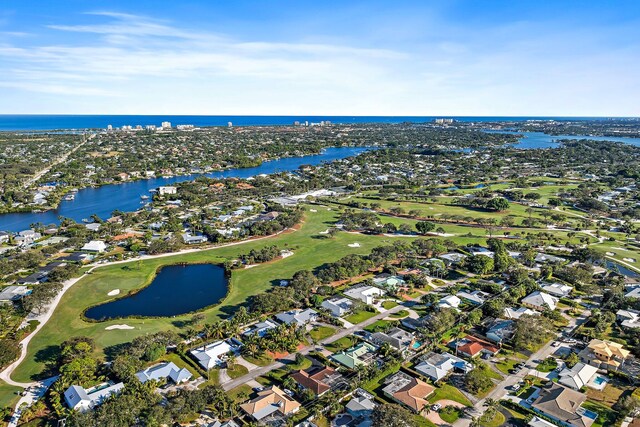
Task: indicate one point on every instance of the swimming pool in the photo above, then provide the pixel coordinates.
(416, 345)
(599, 380)
(589, 414)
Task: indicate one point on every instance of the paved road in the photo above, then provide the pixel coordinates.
(56, 162)
(503, 387)
(341, 334)
(35, 392)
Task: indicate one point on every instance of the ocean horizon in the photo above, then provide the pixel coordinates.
(44, 122)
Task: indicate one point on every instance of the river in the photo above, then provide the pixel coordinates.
(125, 197)
(536, 140)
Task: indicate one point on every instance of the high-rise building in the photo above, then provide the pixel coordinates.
(109, 127)
(229, 124)
(166, 125)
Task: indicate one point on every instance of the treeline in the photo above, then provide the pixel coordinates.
(256, 256)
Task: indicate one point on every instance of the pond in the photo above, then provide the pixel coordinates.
(176, 289)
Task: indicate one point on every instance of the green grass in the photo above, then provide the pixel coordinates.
(449, 392)
(359, 317)
(341, 344)
(237, 370)
(388, 305)
(495, 420)
(400, 315)
(606, 415)
(306, 363)
(547, 365)
(241, 393)
(378, 326)
(9, 395)
(319, 333)
(262, 360)
(175, 358)
(449, 414)
(67, 322)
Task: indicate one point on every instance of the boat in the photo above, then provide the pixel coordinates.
(69, 197)
(85, 220)
(144, 197)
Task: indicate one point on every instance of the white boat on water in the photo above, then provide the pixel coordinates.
(69, 197)
(144, 197)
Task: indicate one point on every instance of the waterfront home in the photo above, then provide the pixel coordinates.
(360, 355)
(501, 330)
(557, 289)
(408, 391)
(515, 313)
(213, 355)
(81, 399)
(190, 239)
(397, 338)
(318, 379)
(366, 294)
(301, 317)
(270, 402)
(578, 376)
(13, 293)
(471, 347)
(260, 329)
(437, 366)
(604, 354)
(94, 226)
(4, 237)
(563, 405)
(540, 301)
(26, 237)
(337, 306)
(628, 318)
(167, 190)
(164, 371)
(95, 246)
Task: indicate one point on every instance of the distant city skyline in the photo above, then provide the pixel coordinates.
(417, 58)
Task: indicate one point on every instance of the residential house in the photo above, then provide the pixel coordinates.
(628, 318)
(94, 226)
(13, 293)
(415, 324)
(548, 259)
(212, 355)
(471, 346)
(515, 313)
(270, 402)
(397, 338)
(301, 317)
(563, 405)
(501, 330)
(366, 294)
(540, 301)
(634, 292)
(164, 371)
(452, 258)
(190, 239)
(604, 354)
(318, 379)
(260, 328)
(4, 237)
(80, 399)
(475, 297)
(539, 422)
(337, 306)
(167, 190)
(578, 376)
(361, 407)
(557, 289)
(408, 391)
(437, 366)
(229, 423)
(389, 282)
(449, 301)
(95, 246)
(360, 355)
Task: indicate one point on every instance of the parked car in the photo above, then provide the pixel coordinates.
(515, 387)
(436, 407)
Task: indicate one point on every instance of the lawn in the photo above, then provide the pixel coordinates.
(319, 333)
(606, 415)
(609, 395)
(359, 317)
(67, 321)
(8, 395)
(547, 365)
(400, 315)
(450, 414)
(492, 420)
(241, 393)
(378, 326)
(237, 370)
(262, 360)
(175, 358)
(388, 305)
(449, 392)
(341, 344)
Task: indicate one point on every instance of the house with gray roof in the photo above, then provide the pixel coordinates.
(301, 317)
(164, 371)
(81, 399)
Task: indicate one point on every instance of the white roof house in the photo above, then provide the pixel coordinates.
(515, 313)
(450, 301)
(79, 399)
(95, 246)
(633, 293)
(337, 306)
(578, 376)
(366, 294)
(301, 317)
(437, 366)
(167, 190)
(540, 301)
(476, 297)
(13, 293)
(260, 328)
(213, 354)
(168, 371)
(628, 318)
(557, 289)
(539, 422)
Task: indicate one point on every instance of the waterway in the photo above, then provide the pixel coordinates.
(176, 289)
(126, 197)
(537, 140)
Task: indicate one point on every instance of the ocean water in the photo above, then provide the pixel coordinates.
(28, 122)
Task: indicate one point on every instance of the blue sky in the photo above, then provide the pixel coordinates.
(566, 58)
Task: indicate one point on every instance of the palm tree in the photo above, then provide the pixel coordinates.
(491, 405)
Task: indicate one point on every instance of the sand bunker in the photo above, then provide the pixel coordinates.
(109, 328)
(354, 245)
(113, 292)
(629, 259)
(313, 210)
(324, 232)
